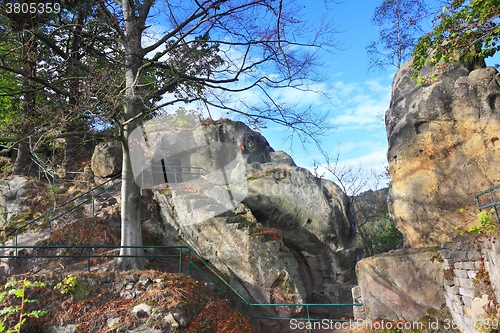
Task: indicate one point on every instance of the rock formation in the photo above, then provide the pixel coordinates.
(11, 198)
(401, 285)
(288, 241)
(453, 286)
(444, 148)
(107, 160)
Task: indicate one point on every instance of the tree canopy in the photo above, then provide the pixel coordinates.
(399, 25)
(120, 62)
(465, 30)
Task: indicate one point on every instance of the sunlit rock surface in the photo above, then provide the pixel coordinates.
(444, 148)
(288, 241)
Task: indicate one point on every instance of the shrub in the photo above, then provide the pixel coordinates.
(18, 290)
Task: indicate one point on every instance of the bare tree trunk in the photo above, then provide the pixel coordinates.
(133, 107)
(23, 161)
(131, 231)
(71, 146)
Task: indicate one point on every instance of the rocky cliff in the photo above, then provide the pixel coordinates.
(443, 148)
(289, 239)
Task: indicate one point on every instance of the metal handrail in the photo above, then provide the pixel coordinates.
(50, 220)
(191, 263)
(164, 172)
(492, 203)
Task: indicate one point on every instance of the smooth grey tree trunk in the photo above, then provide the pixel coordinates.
(23, 161)
(131, 232)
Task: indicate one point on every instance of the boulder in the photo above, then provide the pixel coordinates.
(142, 310)
(289, 240)
(107, 160)
(444, 147)
(11, 200)
(62, 329)
(405, 284)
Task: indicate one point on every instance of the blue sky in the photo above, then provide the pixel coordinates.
(360, 98)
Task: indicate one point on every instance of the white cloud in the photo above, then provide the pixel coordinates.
(362, 107)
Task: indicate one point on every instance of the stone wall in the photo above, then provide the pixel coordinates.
(461, 263)
(473, 268)
(470, 271)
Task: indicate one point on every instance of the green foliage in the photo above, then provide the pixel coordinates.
(380, 233)
(71, 285)
(385, 236)
(486, 224)
(376, 230)
(465, 31)
(9, 103)
(18, 289)
(67, 285)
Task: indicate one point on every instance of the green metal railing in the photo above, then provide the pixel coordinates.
(87, 197)
(194, 260)
(167, 171)
(492, 202)
(90, 252)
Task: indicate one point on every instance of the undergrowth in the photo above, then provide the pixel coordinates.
(279, 174)
(84, 232)
(485, 224)
(16, 311)
(217, 317)
(103, 299)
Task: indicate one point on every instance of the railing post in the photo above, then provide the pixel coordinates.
(15, 242)
(88, 180)
(308, 318)
(88, 259)
(180, 260)
(93, 206)
(189, 260)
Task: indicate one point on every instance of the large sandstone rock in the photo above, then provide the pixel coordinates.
(404, 284)
(453, 286)
(289, 240)
(444, 147)
(107, 160)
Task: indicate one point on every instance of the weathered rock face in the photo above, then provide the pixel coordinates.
(288, 241)
(11, 200)
(107, 160)
(444, 147)
(401, 285)
(447, 287)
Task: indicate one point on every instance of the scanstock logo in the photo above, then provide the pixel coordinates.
(177, 155)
